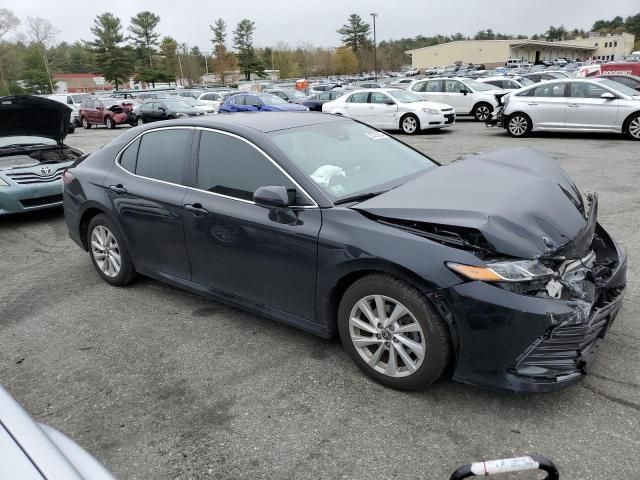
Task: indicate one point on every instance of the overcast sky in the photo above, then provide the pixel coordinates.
(316, 21)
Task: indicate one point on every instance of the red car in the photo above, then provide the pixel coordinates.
(105, 111)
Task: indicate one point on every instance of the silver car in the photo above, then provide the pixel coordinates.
(29, 450)
(576, 105)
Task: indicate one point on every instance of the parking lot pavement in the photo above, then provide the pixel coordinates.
(159, 383)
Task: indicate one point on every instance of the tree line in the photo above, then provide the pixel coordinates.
(30, 57)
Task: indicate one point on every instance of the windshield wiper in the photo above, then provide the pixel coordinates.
(359, 198)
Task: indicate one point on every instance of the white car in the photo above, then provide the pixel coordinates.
(213, 99)
(205, 107)
(579, 105)
(507, 82)
(468, 97)
(392, 109)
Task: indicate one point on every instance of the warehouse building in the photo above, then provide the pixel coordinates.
(494, 53)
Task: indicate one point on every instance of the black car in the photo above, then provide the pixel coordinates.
(493, 268)
(631, 81)
(315, 102)
(164, 109)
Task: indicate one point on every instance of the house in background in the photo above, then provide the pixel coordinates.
(81, 83)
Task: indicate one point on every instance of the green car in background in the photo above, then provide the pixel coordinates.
(33, 156)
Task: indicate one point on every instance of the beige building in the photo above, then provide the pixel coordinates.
(494, 53)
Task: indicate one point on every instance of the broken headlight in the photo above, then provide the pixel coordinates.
(513, 271)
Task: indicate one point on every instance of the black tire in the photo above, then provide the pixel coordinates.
(85, 123)
(127, 271)
(632, 126)
(436, 332)
(410, 124)
(482, 111)
(72, 128)
(109, 123)
(518, 125)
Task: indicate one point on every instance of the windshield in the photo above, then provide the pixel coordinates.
(618, 87)
(525, 81)
(478, 86)
(406, 97)
(79, 98)
(347, 158)
(271, 100)
(176, 104)
(109, 102)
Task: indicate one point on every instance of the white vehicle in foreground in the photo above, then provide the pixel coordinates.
(468, 97)
(392, 109)
(577, 105)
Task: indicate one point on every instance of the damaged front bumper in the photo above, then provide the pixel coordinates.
(526, 343)
(496, 119)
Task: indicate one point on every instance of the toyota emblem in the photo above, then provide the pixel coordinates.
(45, 170)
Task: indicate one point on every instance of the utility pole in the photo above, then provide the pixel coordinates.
(375, 46)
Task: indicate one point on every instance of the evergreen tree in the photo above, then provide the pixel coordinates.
(112, 58)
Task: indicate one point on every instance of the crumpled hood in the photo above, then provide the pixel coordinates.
(34, 116)
(520, 199)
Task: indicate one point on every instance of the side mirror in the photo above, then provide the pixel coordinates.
(608, 96)
(464, 91)
(389, 102)
(162, 109)
(272, 196)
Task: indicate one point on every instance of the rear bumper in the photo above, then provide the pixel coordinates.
(521, 343)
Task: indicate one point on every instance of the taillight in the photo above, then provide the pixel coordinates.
(67, 177)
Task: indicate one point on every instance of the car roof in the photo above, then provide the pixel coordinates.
(263, 122)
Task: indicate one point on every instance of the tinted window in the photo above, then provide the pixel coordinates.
(251, 100)
(586, 90)
(435, 86)
(232, 167)
(128, 157)
(161, 155)
(453, 86)
(379, 98)
(360, 97)
(420, 87)
(324, 96)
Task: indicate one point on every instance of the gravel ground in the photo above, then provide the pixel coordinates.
(159, 383)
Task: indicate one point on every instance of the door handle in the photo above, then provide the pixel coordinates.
(574, 105)
(196, 209)
(533, 104)
(119, 189)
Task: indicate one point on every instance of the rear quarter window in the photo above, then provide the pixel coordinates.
(129, 156)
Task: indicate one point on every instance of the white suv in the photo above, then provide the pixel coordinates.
(599, 105)
(468, 97)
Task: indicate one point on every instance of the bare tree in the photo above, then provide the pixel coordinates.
(8, 21)
(42, 32)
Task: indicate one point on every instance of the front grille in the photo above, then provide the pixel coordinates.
(564, 348)
(27, 178)
(40, 201)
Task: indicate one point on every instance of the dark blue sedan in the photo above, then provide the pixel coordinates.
(259, 102)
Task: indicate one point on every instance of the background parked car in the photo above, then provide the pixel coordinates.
(259, 102)
(631, 81)
(164, 109)
(205, 107)
(599, 105)
(32, 153)
(291, 95)
(506, 83)
(468, 97)
(73, 101)
(214, 99)
(105, 111)
(316, 101)
(392, 109)
(541, 76)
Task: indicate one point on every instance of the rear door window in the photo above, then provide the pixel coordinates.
(360, 97)
(435, 86)
(162, 154)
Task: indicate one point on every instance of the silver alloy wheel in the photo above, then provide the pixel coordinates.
(109, 122)
(409, 125)
(105, 251)
(387, 336)
(482, 113)
(518, 126)
(140, 121)
(85, 122)
(634, 128)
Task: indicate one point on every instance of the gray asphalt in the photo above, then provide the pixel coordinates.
(159, 383)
